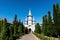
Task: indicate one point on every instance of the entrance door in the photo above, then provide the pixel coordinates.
(30, 30)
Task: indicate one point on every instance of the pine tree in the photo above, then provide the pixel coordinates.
(11, 34)
(44, 27)
(49, 18)
(59, 22)
(56, 18)
(37, 28)
(1, 26)
(19, 29)
(26, 30)
(4, 29)
(22, 28)
(50, 27)
(15, 23)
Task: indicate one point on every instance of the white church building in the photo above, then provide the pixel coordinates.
(30, 22)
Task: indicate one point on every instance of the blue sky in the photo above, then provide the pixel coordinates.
(39, 8)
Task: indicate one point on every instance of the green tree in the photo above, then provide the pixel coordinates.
(1, 26)
(22, 28)
(11, 34)
(50, 27)
(15, 25)
(56, 18)
(44, 25)
(4, 29)
(26, 30)
(37, 28)
(19, 28)
(43, 28)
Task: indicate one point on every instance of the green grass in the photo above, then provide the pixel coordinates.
(43, 37)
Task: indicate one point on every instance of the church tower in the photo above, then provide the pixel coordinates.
(29, 18)
(30, 22)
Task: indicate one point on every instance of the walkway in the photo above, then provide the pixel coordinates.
(29, 37)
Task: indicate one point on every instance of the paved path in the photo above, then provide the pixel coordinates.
(29, 37)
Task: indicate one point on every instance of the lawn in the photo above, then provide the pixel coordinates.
(43, 37)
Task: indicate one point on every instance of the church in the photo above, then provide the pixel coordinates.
(30, 22)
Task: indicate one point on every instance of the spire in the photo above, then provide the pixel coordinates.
(25, 19)
(29, 12)
(33, 19)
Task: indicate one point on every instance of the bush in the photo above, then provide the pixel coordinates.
(26, 30)
(40, 36)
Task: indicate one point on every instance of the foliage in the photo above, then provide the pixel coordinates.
(52, 27)
(26, 30)
(11, 31)
(4, 26)
(43, 37)
(37, 28)
(56, 19)
(45, 25)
